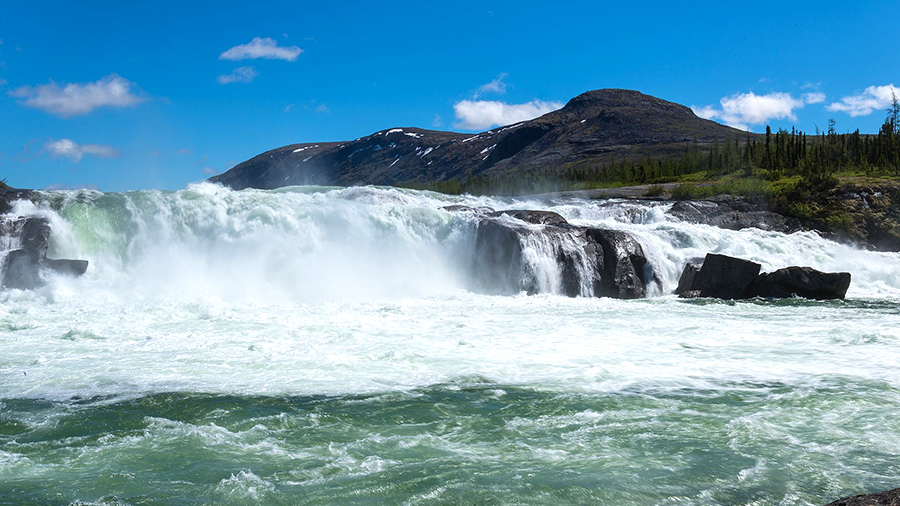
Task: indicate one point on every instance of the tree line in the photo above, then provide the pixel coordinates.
(817, 160)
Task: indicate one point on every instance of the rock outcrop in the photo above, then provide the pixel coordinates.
(886, 498)
(726, 277)
(26, 240)
(538, 251)
(733, 213)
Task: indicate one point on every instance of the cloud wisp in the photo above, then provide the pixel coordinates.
(497, 86)
(261, 47)
(238, 75)
(744, 109)
(483, 114)
(76, 99)
(72, 150)
(871, 99)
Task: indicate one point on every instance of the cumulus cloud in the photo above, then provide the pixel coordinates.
(874, 97)
(74, 151)
(262, 48)
(238, 75)
(496, 86)
(482, 114)
(744, 109)
(75, 99)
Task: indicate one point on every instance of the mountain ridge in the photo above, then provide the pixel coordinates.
(597, 126)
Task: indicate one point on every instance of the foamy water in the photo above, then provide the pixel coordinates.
(316, 345)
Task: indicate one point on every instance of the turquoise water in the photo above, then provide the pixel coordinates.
(325, 346)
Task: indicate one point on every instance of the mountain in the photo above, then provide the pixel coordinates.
(597, 127)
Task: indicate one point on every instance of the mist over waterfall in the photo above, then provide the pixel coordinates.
(307, 244)
(333, 344)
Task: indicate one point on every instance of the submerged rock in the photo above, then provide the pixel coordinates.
(887, 498)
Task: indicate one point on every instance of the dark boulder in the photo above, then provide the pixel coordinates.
(67, 267)
(802, 282)
(887, 498)
(622, 271)
(725, 277)
(23, 268)
(686, 281)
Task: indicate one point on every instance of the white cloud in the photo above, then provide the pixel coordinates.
(75, 99)
(261, 48)
(74, 151)
(874, 97)
(323, 109)
(813, 98)
(496, 86)
(481, 114)
(744, 109)
(208, 170)
(437, 122)
(238, 75)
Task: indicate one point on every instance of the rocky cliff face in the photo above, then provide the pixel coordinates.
(600, 125)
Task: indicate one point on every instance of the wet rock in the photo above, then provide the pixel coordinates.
(22, 267)
(725, 277)
(512, 256)
(686, 281)
(623, 261)
(460, 208)
(533, 217)
(733, 213)
(887, 498)
(22, 270)
(802, 282)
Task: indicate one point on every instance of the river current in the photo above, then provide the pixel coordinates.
(315, 345)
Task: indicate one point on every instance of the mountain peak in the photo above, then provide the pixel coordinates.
(595, 127)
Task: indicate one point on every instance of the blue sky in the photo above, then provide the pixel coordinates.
(134, 95)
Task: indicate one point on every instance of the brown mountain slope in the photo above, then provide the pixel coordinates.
(598, 125)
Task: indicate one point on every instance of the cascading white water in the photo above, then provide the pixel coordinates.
(308, 244)
(328, 345)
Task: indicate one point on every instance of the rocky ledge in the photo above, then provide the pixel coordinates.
(509, 246)
(728, 277)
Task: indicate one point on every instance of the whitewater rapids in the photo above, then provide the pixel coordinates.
(319, 345)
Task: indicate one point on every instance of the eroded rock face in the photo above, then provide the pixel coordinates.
(622, 272)
(538, 251)
(727, 277)
(22, 267)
